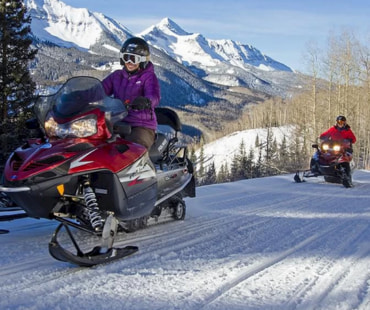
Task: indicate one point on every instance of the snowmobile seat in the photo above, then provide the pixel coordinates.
(164, 142)
(166, 116)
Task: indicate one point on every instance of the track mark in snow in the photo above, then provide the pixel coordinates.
(260, 267)
(325, 283)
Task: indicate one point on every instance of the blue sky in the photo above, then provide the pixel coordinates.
(280, 29)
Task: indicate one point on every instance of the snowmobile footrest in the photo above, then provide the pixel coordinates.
(89, 259)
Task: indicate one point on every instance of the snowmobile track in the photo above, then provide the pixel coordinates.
(261, 267)
(317, 287)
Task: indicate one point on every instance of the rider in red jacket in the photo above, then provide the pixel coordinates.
(340, 131)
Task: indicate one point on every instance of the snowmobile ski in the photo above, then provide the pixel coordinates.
(300, 176)
(6, 209)
(11, 217)
(89, 259)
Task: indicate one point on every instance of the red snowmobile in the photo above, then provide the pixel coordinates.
(333, 161)
(82, 173)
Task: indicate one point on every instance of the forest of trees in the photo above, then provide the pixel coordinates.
(16, 84)
(266, 157)
(339, 84)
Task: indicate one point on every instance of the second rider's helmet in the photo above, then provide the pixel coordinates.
(135, 50)
(341, 120)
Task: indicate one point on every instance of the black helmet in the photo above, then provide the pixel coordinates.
(341, 121)
(341, 118)
(136, 46)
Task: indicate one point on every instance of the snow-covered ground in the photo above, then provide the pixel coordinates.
(264, 243)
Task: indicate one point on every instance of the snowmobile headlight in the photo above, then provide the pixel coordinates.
(50, 127)
(80, 128)
(336, 148)
(325, 146)
(83, 128)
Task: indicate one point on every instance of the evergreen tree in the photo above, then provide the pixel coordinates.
(258, 168)
(239, 163)
(193, 156)
(274, 151)
(201, 162)
(268, 150)
(283, 159)
(257, 142)
(193, 159)
(16, 85)
(223, 174)
(271, 150)
(210, 175)
(242, 160)
(234, 168)
(250, 164)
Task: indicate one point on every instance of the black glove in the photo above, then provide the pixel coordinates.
(140, 103)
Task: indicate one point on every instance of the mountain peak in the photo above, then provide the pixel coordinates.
(54, 21)
(194, 50)
(169, 24)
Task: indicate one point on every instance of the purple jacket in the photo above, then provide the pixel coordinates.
(127, 87)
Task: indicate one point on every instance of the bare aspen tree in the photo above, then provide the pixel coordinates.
(364, 103)
(313, 67)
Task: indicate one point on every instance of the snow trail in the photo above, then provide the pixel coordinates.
(264, 243)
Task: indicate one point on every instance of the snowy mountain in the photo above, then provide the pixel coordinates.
(266, 243)
(55, 22)
(61, 24)
(223, 62)
(194, 50)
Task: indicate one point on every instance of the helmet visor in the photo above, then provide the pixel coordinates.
(133, 58)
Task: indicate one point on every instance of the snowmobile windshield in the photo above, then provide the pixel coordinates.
(76, 97)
